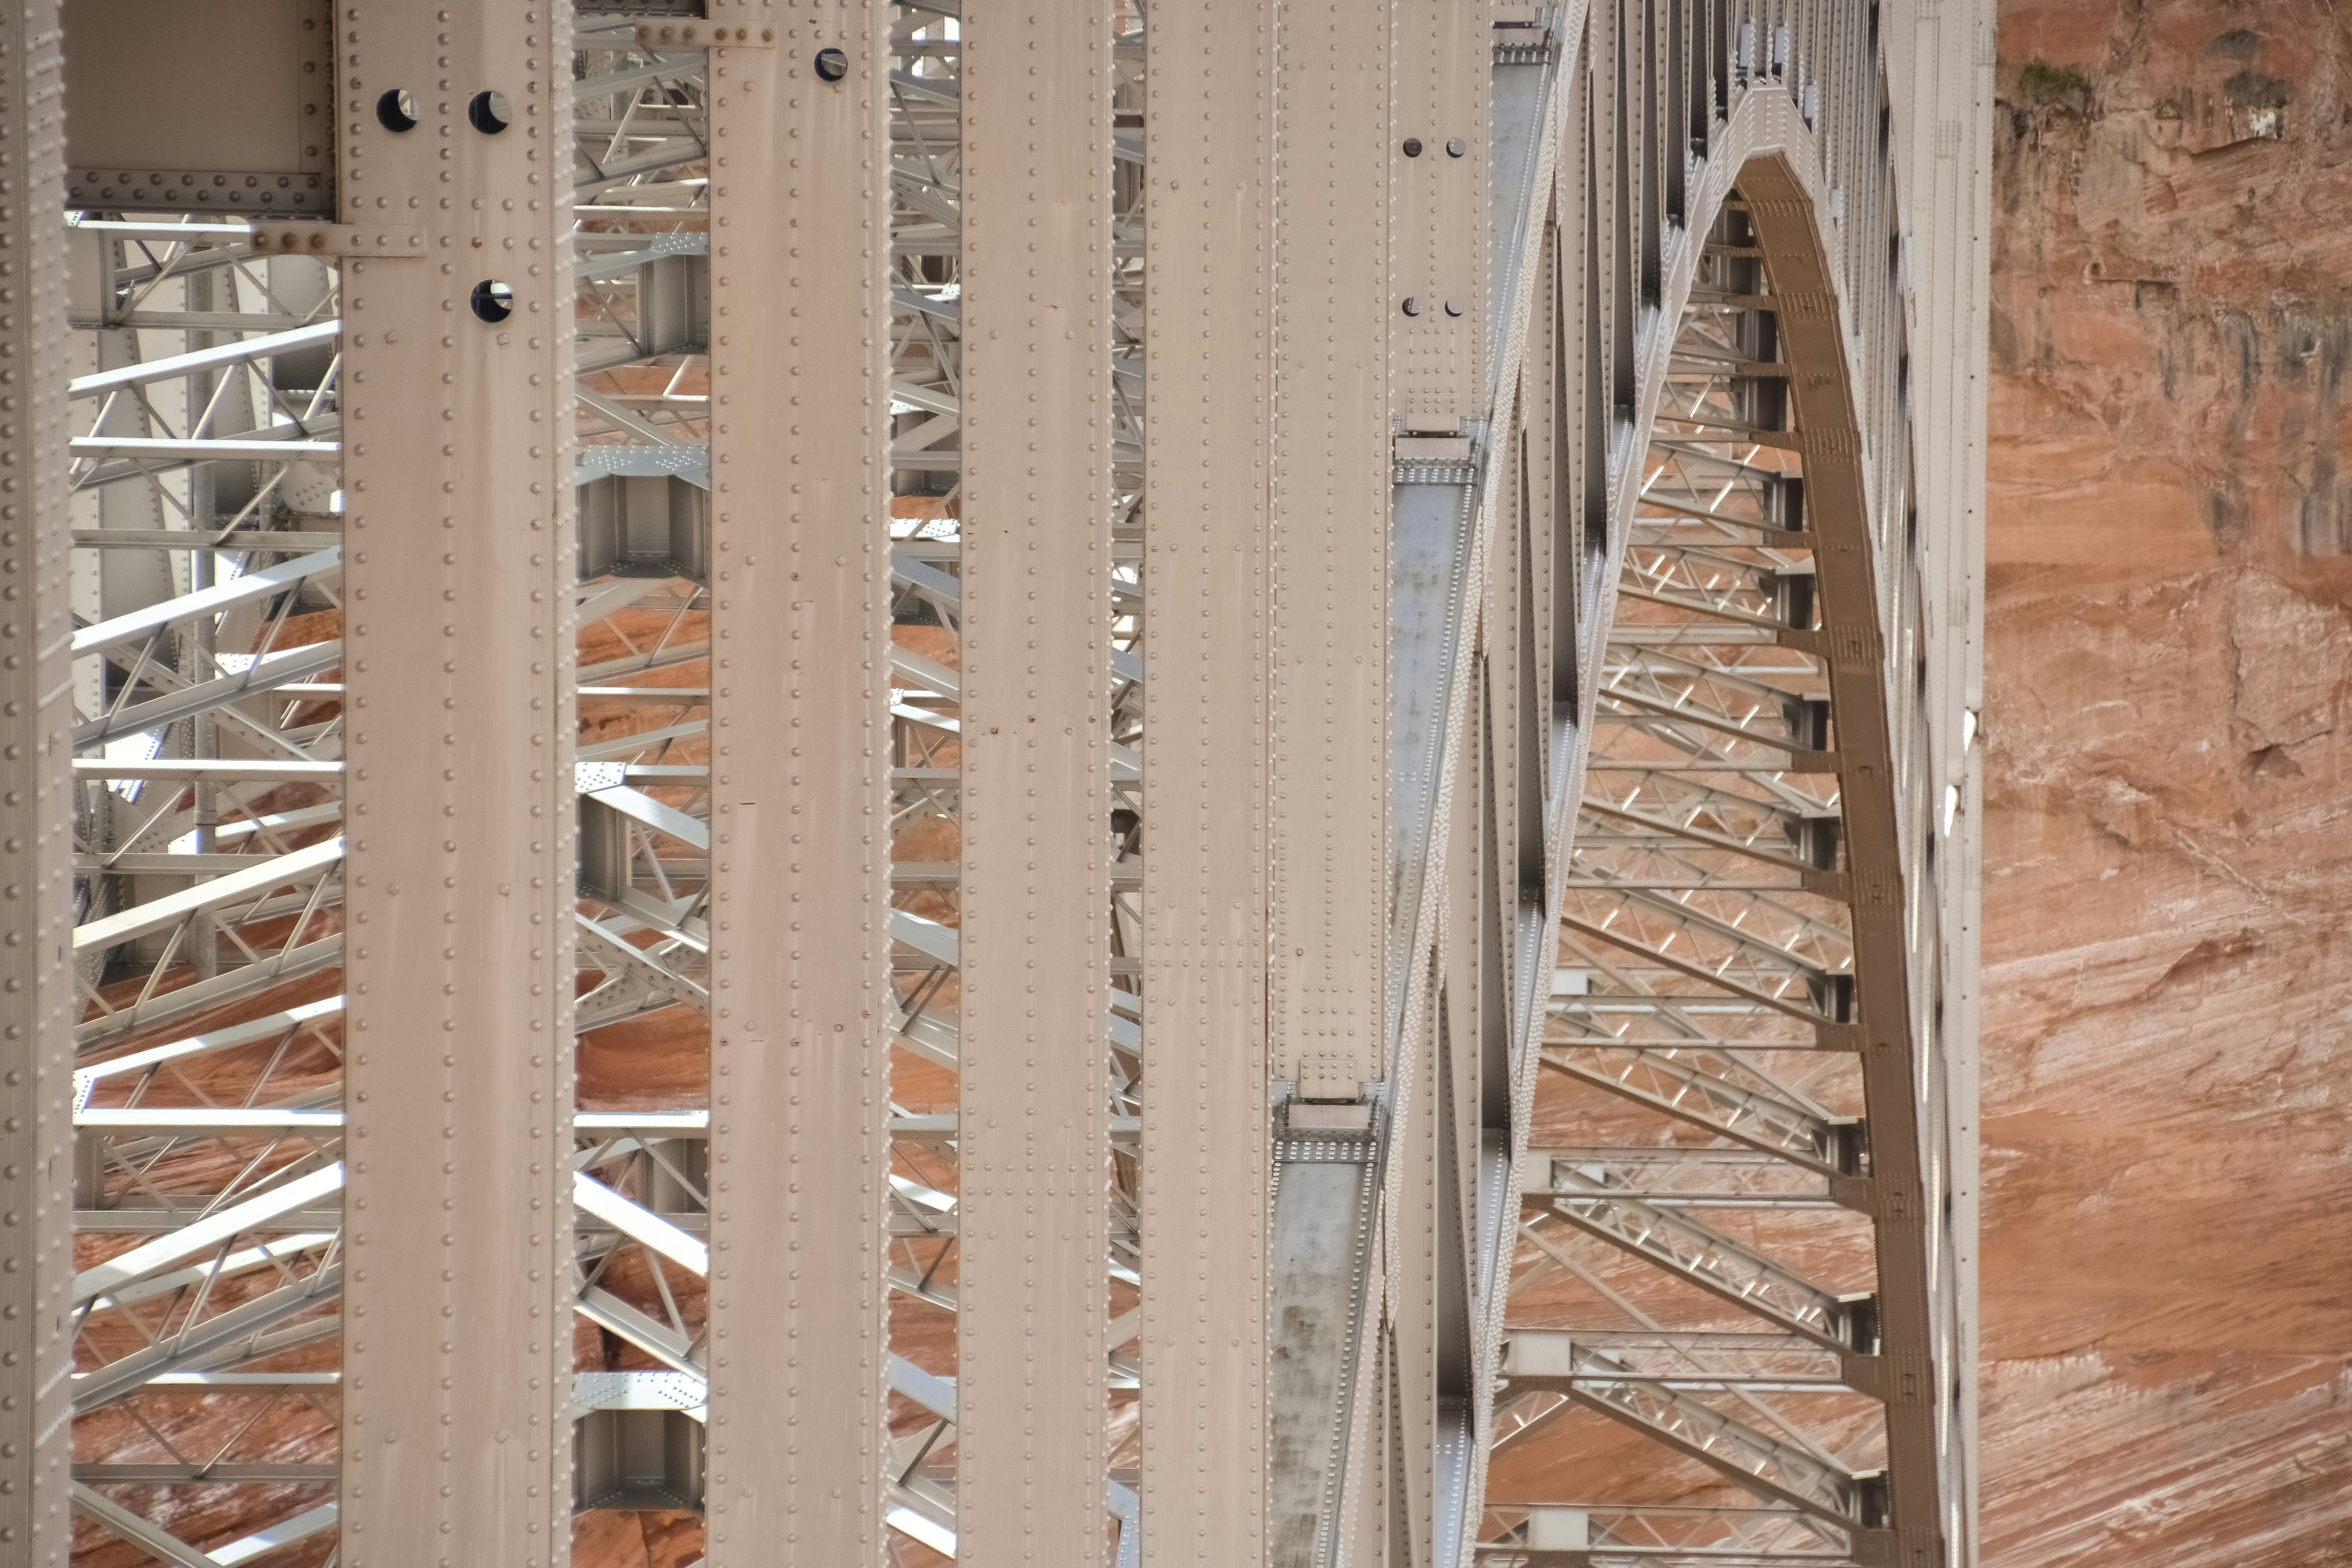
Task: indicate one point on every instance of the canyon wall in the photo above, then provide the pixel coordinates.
(2168, 850)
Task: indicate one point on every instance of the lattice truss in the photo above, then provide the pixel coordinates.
(1702, 943)
(208, 737)
(1699, 1365)
(208, 726)
(1696, 1361)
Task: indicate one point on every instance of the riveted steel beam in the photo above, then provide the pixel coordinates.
(459, 765)
(38, 1007)
(800, 935)
(1326, 829)
(1036, 255)
(1210, 389)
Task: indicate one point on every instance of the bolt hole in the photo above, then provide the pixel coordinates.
(1454, 307)
(1455, 147)
(1412, 304)
(1412, 146)
(493, 301)
(490, 112)
(832, 64)
(396, 110)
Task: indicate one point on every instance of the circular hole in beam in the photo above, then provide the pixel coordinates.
(493, 300)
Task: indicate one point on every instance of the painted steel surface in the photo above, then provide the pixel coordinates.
(800, 759)
(1209, 383)
(1065, 927)
(1036, 773)
(38, 1004)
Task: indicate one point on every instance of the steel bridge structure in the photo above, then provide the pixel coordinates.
(1175, 782)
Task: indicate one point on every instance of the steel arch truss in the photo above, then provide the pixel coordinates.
(1732, 1308)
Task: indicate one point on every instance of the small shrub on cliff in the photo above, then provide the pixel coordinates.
(2041, 84)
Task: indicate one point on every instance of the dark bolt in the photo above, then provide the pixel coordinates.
(396, 110)
(1412, 146)
(832, 64)
(493, 301)
(490, 112)
(1453, 147)
(1412, 304)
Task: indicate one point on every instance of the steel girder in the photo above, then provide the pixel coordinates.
(1508, 719)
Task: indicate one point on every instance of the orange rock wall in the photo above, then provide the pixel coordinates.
(2168, 1225)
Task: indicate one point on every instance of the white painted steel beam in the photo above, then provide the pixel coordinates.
(244, 351)
(273, 872)
(139, 1261)
(265, 584)
(224, 770)
(204, 1342)
(205, 449)
(125, 1525)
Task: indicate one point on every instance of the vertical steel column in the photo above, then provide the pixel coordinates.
(1438, 196)
(1207, 316)
(1939, 63)
(799, 771)
(1327, 724)
(1438, 793)
(1334, 295)
(458, 1352)
(1030, 1395)
(37, 991)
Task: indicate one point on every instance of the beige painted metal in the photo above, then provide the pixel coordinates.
(1205, 1143)
(1846, 583)
(1036, 407)
(144, 121)
(458, 1345)
(1327, 721)
(1941, 81)
(1407, 1394)
(37, 1000)
(1800, 148)
(1438, 210)
(800, 769)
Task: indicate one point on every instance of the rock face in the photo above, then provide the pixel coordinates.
(2167, 1317)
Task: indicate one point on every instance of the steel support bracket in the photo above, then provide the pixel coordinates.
(337, 239)
(703, 36)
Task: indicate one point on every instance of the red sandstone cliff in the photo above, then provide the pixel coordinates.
(2167, 1279)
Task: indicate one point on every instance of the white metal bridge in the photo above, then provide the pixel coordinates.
(1154, 782)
